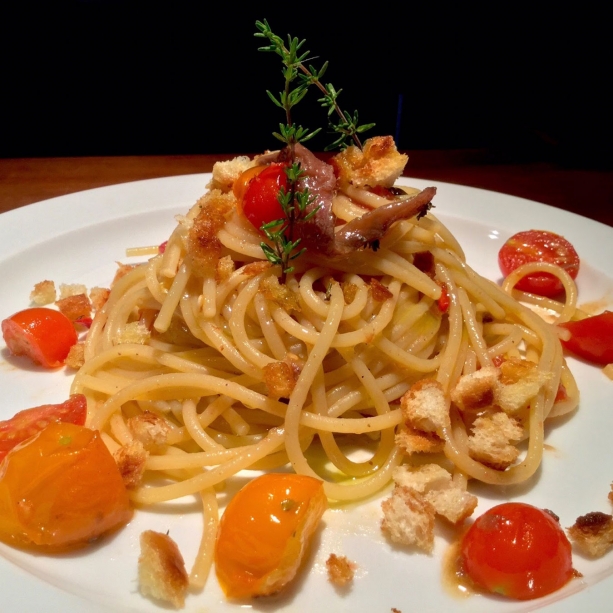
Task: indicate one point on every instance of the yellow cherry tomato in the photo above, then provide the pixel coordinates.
(265, 532)
(60, 489)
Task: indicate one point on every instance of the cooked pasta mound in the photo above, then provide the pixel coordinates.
(206, 360)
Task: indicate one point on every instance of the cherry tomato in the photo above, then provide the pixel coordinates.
(27, 423)
(591, 338)
(44, 335)
(518, 551)
(265, 531)
(61, 489)
(538, 246)
(260, 204)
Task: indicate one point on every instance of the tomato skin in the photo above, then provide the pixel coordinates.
(60, 489)
(591, 338)
(538, 246)
(260, 204)
(264, 533)
(29, 422)
(44, 335)
(517, 551)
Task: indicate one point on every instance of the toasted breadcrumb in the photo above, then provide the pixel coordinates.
(435, 484)
(98, 296)
(280, 294)
(476, 390)
(203, 244)
(225, 173)
(149, 429)
(412, 441)
(71, 290)
(378, 163)
(340, 570)
(76, 356)
(379, 292)
(130, 460)
(161, 569)
(43, 293)
(520, 381)
(75, 307)
(224, 268)
(349, 291)
(408, 518)
(133, 332)
(593, 533)
(280, 379)
(424, 406)
(491, 441)
(255, 268)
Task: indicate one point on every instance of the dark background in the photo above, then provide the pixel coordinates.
(125, 78)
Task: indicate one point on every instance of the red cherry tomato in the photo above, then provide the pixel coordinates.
(29, 422)
(538, 246)
(44, 335)
(260, 204)
(518, 551)
(591, 338)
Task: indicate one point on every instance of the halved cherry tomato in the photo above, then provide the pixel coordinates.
(28, 422)
(61, 489)
(265, 531)
(44, 335)
(538, 246)
(518, 551)
(260, 203)
(591, 338)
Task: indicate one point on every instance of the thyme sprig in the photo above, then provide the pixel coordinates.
(295, 202)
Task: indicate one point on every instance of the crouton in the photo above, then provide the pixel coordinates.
(520, 381)
(43, 293)
(71, 290)
(76, 356)
(75, 307)
(378, 163)
(425, 407)
(131, 460)
(225, 173)
(593, 533)
(161, 569)
(412, 441)
(98, 296)
(280, 379)
(340, 570)
(436, 486)
(490, 442)
(408, 519)
(379, 292)
(476, 390)
(149, 429)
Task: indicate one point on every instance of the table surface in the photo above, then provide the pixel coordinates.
(587, 192)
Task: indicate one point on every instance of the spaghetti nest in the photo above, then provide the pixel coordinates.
(245, 372)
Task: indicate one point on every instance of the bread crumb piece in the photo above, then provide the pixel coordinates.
(226, 172)
(71, 290)
(43, 293)
(280, 379)
(149, 429)
(280, 294)
(520, 381)
(340, 570)
(593, 533)
(379, 292)
(476, 390)
(424, 406)
(99, 296)
(133, 332)
(491, 440)
(412, 441)
(224, 268)
(408, 518)
(131, 460)
(75, 307)
(161, 569)
(76, 356)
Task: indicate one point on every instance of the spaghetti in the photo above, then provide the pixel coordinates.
(210, 352)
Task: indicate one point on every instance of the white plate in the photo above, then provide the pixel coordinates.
(77, 238)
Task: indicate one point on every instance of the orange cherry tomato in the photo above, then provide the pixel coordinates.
(538, 246)
(61, 489)
(265, 531)
(260, 204)
(27, 423)
(518, 551)
(242, 183)
(44, 335)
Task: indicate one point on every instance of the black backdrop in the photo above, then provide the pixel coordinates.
(116, 78)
